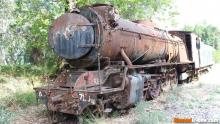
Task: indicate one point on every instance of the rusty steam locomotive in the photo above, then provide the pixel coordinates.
(115, 63)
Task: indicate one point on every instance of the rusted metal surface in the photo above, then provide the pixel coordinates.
(113, 62)
(119, 88)
(67, 36)
(140, 43)
(146, 23)
(197, 50)
(66, 101)
(125, 57)
(74, 38)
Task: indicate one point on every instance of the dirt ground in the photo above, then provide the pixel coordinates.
(199, 100)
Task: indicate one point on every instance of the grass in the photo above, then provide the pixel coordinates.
(217, 56)
(11, 105)
(172, 98)
(28, 70)
(148, 114)
(200, 84)
(3, 80)
(155, 117)
(5, 115)
(16, 95)
(19, 100)
(217, 90)
(172, 95)
(187, 104)
(149, 117)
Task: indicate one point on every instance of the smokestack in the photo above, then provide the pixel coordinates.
(72, 5)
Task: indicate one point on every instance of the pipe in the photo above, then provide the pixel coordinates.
(125, 57)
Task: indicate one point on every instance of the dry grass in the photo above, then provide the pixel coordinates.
(16, 95)
(197, 100)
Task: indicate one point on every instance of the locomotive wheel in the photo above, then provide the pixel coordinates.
(170, 83)
(166, 86)
(94, 110)
(174, 81)
(154, 91)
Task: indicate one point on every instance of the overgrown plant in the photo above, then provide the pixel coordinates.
(24, 43)
(149, 117)
(5, 115)
(19, 100)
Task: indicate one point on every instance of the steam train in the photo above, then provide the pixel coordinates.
(115, 63)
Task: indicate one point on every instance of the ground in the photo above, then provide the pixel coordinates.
(199, 100)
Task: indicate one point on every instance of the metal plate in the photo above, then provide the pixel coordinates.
(69, 35)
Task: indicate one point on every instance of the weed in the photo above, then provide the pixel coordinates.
(155, 117)
(172, 98)
(216, 56)
(16, 95)
(27, 70)
(141, 105)
(217, 90)
(115, 114)
(210, 99)
(187, 105)
(5, 115)
(3, 80)
(94, 121)
(19, 100)
(177, 89)
(200, 84)
(14, 102)
(149, 117)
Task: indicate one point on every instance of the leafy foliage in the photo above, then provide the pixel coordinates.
(133, 9)
(217, 56)
(209, 34)
(34, 26)
(27, 70)
(19, 100)
(24, 42)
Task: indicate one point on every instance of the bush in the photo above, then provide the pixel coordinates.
(3, 80)
(16, 95)
(28, 70)
(19, 100)
(217, 56)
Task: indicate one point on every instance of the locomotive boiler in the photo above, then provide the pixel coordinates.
(113, 62)
(76, 37)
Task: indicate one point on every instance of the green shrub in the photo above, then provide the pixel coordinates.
(3, 80)
(217, 56)
(28, 70)
(19, 100)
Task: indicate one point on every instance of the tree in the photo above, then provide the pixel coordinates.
(131, 9)
(209, 33)
(32, 19)
(27, 36)
(10, 48)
